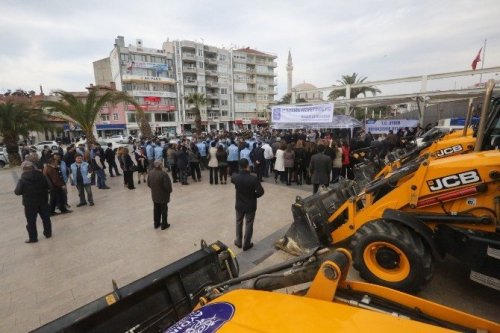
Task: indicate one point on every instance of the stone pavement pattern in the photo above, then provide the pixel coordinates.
(115, 239)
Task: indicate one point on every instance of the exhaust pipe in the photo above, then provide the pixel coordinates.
(468, 118)
(490, 85)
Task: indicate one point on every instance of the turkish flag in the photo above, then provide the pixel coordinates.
(476, 60)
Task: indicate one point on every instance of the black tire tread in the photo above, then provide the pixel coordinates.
(396, 231)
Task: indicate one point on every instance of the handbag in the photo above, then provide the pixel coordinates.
(133, 168)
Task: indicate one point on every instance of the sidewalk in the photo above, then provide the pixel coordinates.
(115, 239)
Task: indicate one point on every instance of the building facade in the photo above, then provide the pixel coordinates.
(238, 84)
(147, 74)
(254, 83)
(206, 70)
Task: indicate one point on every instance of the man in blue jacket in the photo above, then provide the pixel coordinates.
(81, 178)
(248, 189)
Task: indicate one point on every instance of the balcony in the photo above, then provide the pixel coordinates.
(189, 69)
(188, 56)
(213, 95)
(212, 84)
(211, 61)
(213, 107)
(190, 82)
(210, 72)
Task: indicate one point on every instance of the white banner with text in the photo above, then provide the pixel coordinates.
(321, 113)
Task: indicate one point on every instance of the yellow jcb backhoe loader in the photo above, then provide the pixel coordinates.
(401, 225)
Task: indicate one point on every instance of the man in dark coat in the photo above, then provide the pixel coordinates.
(259, 160)
(248, 189)
(161, 187)
(320, 168)
(182, 163)
(34, 188)
(110, 157)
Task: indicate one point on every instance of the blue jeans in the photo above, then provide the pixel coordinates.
(101, 178)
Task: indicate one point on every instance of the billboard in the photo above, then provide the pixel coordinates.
(384, 126)
(320, 113)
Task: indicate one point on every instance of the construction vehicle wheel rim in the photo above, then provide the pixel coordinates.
(386, 261)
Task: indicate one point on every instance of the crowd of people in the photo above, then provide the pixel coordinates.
(289, 156)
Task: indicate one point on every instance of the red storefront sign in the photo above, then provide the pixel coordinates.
(238, 122)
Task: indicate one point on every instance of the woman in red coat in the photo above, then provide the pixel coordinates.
(346, 170)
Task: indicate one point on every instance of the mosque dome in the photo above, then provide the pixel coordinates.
(304, 86)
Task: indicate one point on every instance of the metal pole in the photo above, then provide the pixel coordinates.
(484, 114)
(482, 62)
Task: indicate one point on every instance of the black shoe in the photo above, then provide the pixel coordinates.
(118, 174)
(67, 206)
(54, 213)
(105, 188)
(91, 204)
(238, 245)
(245, 248)
(47, 235)
(131, 188)
(81, 204)
(139, 182)
(67, 211)
(31, 241)
(156, 226)
(111, 175)
(163, 227)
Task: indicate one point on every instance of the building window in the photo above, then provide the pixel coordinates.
(104, 117)
(224, 113)
(124, 56)
(223, 102)
(222, 57)
(200, 64)
(115, 116)
(223, 91)
(131, 117)
(165, 117)
(200, 53)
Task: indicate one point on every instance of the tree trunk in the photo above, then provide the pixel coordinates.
(197, 121)
(145, 128)
(12, 151)
(90, 139)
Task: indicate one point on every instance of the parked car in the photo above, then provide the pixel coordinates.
(118, 138)
(104, 144)
(3, 157)
(52, 145)
(114, 145)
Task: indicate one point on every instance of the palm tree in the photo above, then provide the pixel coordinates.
(286, 99)
(84, 113)
(197, 100)
(19, 118)
(355, 92)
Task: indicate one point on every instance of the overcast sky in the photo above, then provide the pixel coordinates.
(53, 43)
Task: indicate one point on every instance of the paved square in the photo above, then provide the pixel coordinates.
(115, 239)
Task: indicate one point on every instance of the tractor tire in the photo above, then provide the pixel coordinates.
(391, 255)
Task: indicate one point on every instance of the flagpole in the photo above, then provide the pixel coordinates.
(482, 62)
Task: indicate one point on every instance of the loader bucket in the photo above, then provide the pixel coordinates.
(310, 228)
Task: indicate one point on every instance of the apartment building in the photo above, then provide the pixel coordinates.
(203, 69)
(238, 84)
(254, 86)
(147, 74)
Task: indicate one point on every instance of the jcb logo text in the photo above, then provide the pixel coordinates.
(449, 151)
(463, 178)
